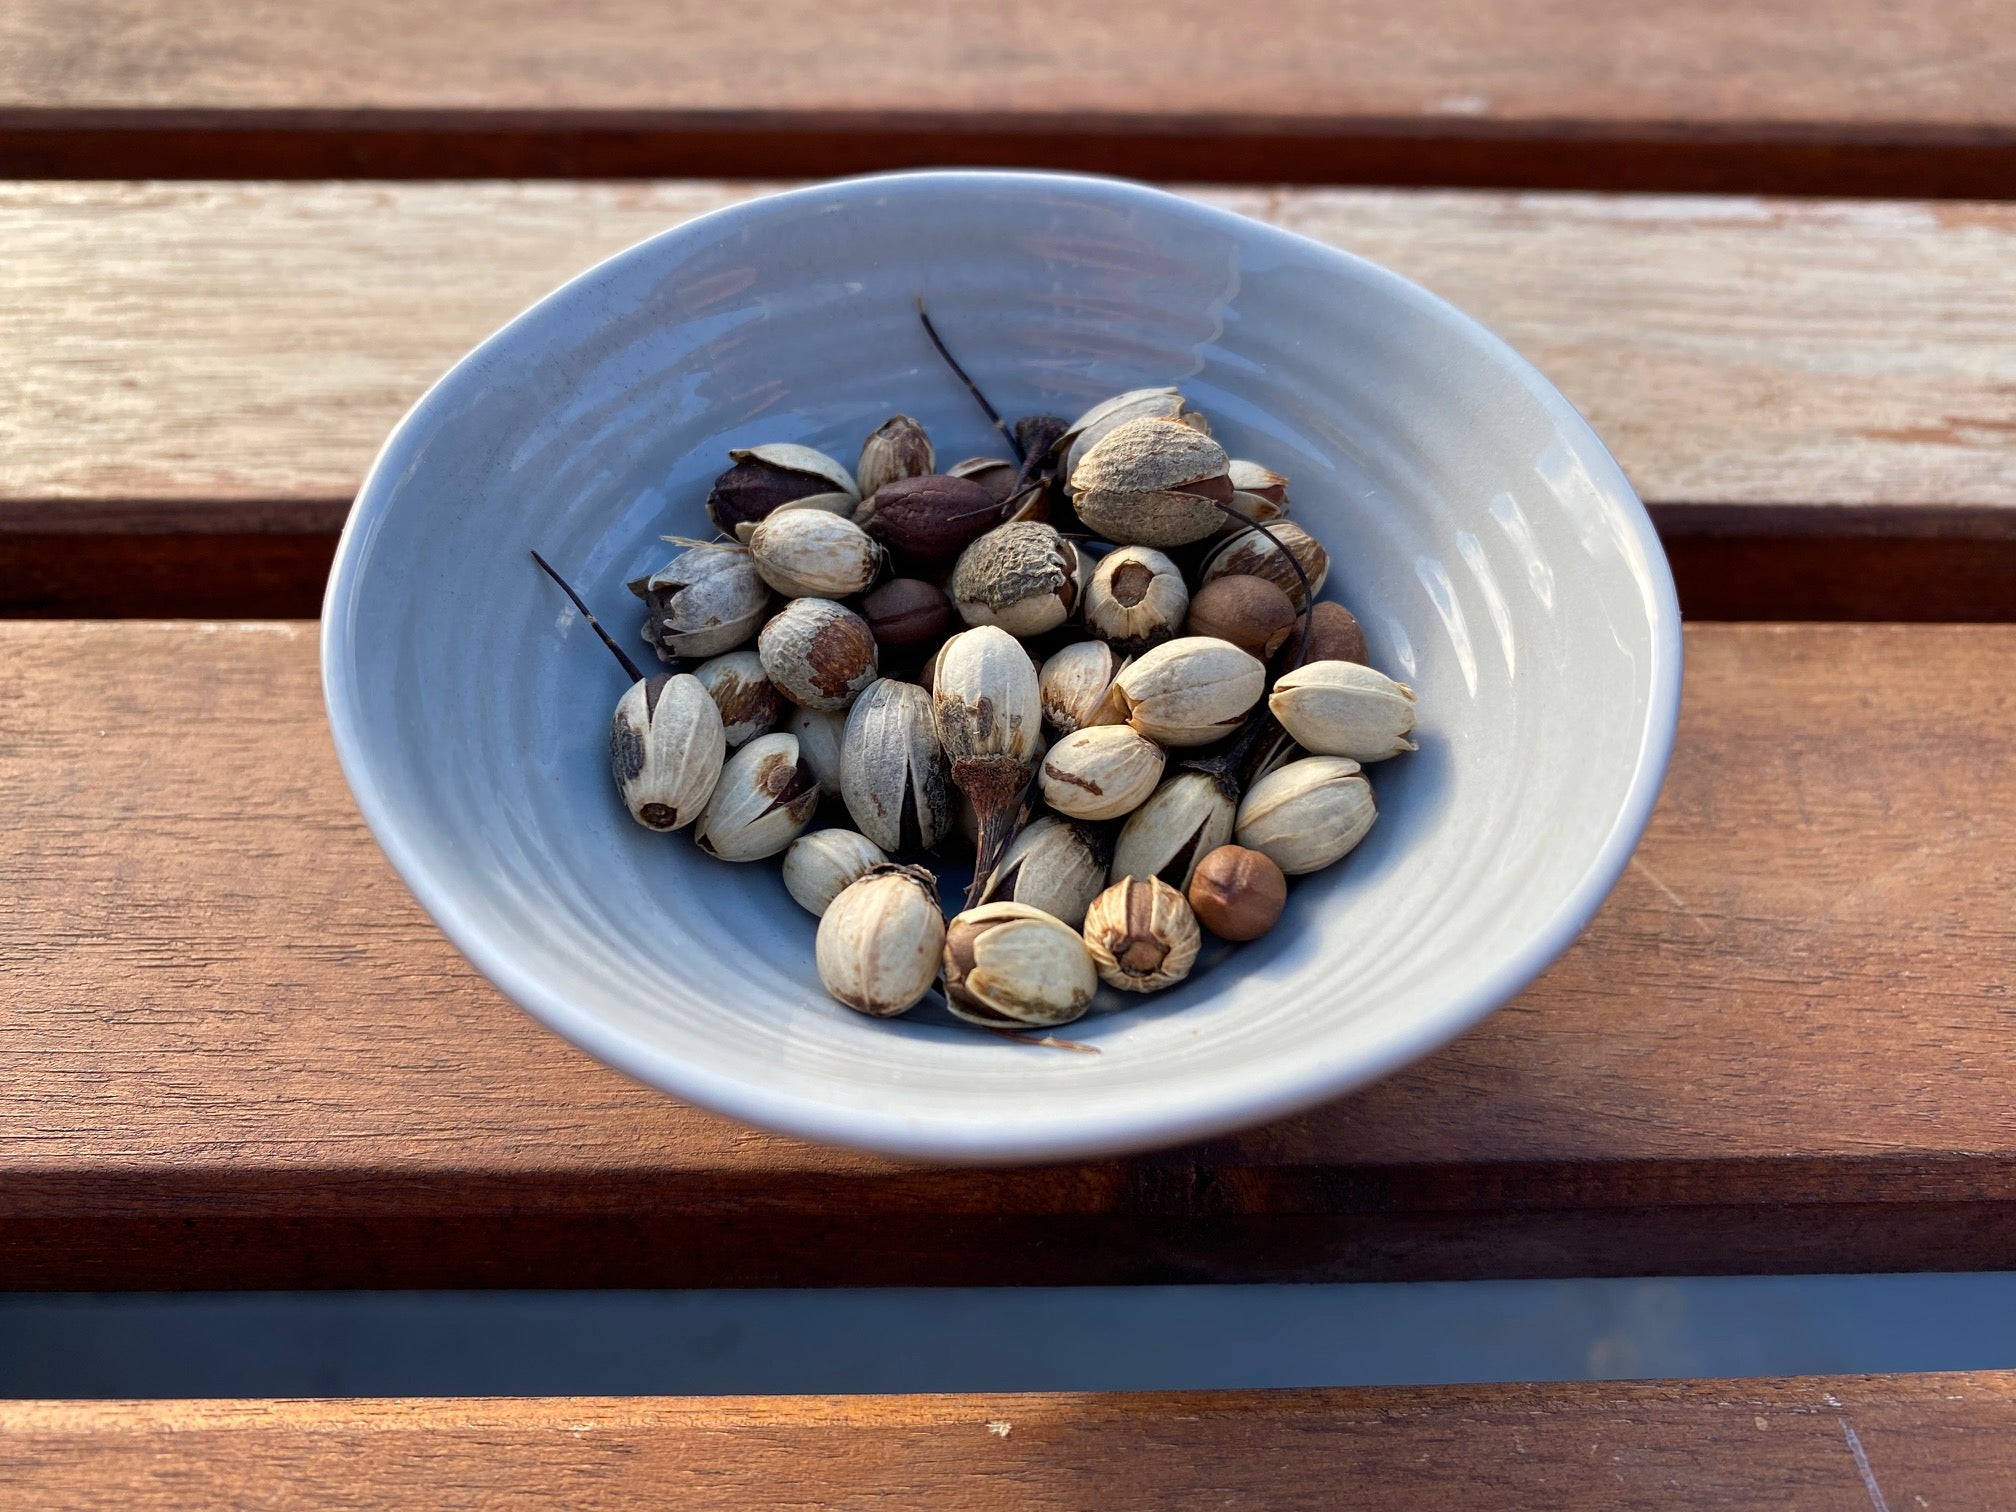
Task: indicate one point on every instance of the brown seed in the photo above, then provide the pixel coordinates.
(1248, 611)
(817, 653)
(1237, 893)
(908, 614)
(1334, 635)
(929, 519)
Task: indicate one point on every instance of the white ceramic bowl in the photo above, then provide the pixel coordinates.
(1496, 555)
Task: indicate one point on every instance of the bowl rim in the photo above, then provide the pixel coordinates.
(1092, 1132)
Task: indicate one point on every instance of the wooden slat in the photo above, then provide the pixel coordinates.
(1676, 94)
(1821, 1444)
(220, 362)
(233, 1052)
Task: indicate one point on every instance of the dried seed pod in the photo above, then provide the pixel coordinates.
(1189, 816)
(908, 615)
(929, 519)
(766, 477)
(807, 553)
(837, 504)
(1152, 483)
(1010, 966)
(1308, 814)
(892, 773)
(1142, 935)
(818, 653)
(1237, 894)
(1190, 691)
(1334, 635)
(1252, 553)
(990, 725)
(666, 747)
(821, 734)
(1077, 687)
(997, 475)
(749, 702)
(1100, 772)
(1260, 482)
(706, 600)
(881, 941)
(1341, 708)
(823, 864)
(1136, 599)
(897, 448)
(1092, 427)
(1248, 611)
(1055, 865)
(766, 795)
(1023, 577)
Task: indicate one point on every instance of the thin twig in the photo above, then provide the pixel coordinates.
(614, 650)
(971, 387)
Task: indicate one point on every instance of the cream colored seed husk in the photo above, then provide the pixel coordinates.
(1029, 969)
(1101, 772)
(880, 942)
(1308, 814)
(1189, 806)
(1142, 935)
(1076, 686)
(820, 866)
(666, 755)
(1191, 691)
(808, 553)
(1340, 708)
(1053, 865)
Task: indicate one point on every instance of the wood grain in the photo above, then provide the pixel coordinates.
(1821, 1444)
(233, 1052)
(1674, 94)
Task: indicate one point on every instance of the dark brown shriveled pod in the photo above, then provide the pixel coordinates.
(929, 519)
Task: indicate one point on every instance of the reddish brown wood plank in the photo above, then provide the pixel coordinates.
(233, 1052)
(1539, 93)
(1821, 1444)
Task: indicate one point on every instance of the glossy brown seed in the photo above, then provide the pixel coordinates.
(908, 614)
(1334, 635)
(929, 519)
(1237, 893)
(1248, 611)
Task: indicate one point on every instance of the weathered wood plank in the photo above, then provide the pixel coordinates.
(233, 1051)
(1541, 93)
(1832, 1444)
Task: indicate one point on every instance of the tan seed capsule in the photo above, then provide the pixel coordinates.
(1188, 817)
(749, 702)
(1142, 935)
(989, 717)
(1055, 865)
(1152, 483)
(820, 735)
(818, 653)
(1308, 814)
(821, 865)
(1023, 577)
(1010, 966)
(807, 553)
(1237, 894)
(892, 773)
(666, 747)
(1260, 482)
(1341, 708)
(1092, 427)
(766, 795)
(706, 600)
(1136, 599)
(1251, 553)
(1191, 691)
(897, 448)
(1077, 689)
(1100, 772)
(881, 941)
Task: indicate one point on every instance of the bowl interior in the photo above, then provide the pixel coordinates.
(1494, 553)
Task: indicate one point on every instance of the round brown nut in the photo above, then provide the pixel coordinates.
(908, 614)
(1334, 635)
(1248, 611)
(1237, 893)
(931, 518)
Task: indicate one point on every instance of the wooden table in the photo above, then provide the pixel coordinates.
(239, 240)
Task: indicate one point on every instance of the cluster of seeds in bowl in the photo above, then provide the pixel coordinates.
(1101, 669)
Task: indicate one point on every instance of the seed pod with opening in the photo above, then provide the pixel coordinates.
(1010, 966)
(990, 725)
(929, 520)
(1188, 817)
(1248, 611)
(766, 795)
(1136, 599)
(897, 448)
(766, 477)
(807, 553)
(1152, 483)
(1100, 772)
(1259, 482)
(1342, 708)
(1191, 691)
(821, 865)
(1308, 814)
(1024, 577)
(666, 747)
(1092, 427)
(821, 734)
(1142, 935)
(818, 653)
(1252, 553)
(706, 600)
(1056, 865)
(892, 773)
(749, 702)
(1077, 687)
(882, 940)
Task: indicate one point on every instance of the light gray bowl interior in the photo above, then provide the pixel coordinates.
(1492, 549)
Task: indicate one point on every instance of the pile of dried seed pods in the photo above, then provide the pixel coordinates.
(1099, 669)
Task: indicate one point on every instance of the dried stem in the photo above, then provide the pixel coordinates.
(971, 387)
(614, 650)
(999, 788)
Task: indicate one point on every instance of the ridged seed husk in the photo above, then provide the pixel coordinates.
(1100, 421)
(764, 798)
(765, 478)
(1100, 772)
(1188, 817)
(707, 600)
(1076, 686)
(821, 734)
(1191, 691)
(1056, 865)
(666, 748)
(897, 448)
(1136, 599)
(1308, 814)
(1343, 708)
(1142, 935)
(893, 775)
(819, 654)
(1252, 553)
(807, 553)
(1011, 966)
(881, 941)
(749, 702)
(821, 865)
